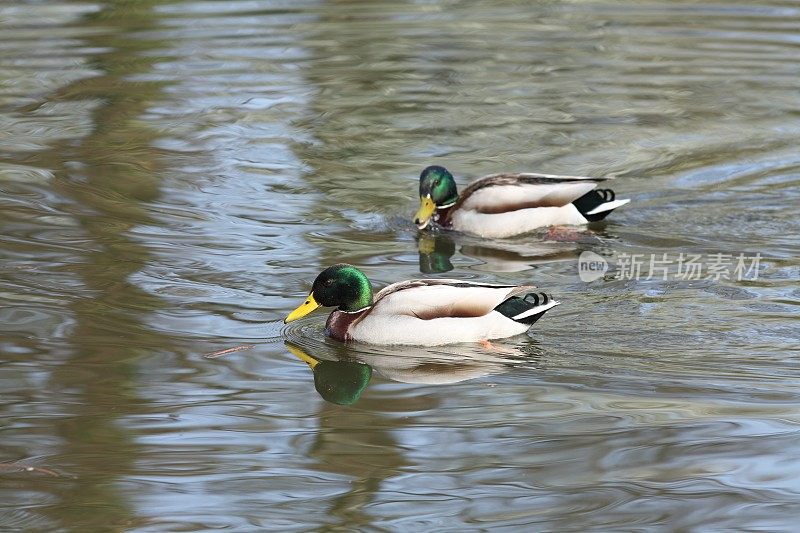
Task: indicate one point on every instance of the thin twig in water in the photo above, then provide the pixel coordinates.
(19, 467)
(214, 355)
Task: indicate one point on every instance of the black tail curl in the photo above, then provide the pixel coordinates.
(538, 297)
(515, 306)
(592, 200)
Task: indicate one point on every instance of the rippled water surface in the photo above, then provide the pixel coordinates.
(175, 174)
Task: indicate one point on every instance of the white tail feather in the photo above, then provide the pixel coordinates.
(608, 206)
(535, 310)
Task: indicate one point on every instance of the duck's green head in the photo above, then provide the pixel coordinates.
(437, 190)
(342, 286)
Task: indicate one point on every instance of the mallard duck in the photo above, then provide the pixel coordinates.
(428, 312)
(503, 205)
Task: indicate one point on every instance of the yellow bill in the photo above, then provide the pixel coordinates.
(303, 309)
(426, 210)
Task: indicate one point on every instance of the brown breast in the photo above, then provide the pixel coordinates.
(339, 323)
(444, 217)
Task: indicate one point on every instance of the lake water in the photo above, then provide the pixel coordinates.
(174, 175)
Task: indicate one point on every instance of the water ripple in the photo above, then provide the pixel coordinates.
(174, 176)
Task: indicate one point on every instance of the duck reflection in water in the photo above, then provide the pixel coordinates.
(338, 381)
(343, 375)
(437, 249)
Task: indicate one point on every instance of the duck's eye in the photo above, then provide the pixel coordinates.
(328, 282)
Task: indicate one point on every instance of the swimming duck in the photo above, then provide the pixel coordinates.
(503, 205)
(427, 312)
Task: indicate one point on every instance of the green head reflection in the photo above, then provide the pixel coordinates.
(339, 382)
(435, 251)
